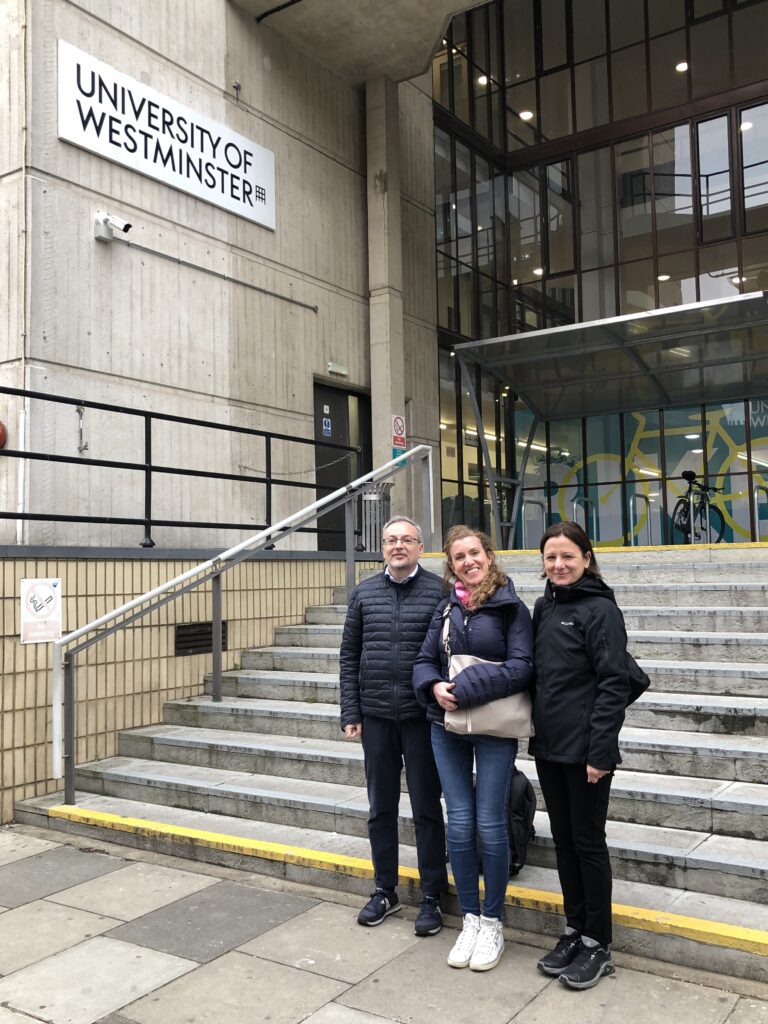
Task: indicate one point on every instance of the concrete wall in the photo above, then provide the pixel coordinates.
(124, 681)
(115, 324)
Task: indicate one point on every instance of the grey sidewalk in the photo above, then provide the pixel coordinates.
(103, 933)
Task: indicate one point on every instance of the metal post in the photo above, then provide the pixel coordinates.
(70, 740)
(756, 500)
(147, 541)
(349, 546)
(531, 501)
(631, 510)
(584, 502)
(427, 514)
(691, 506)
(216, 647)
(520, 489)
(490, 472)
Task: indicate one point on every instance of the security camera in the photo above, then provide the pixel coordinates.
(107, 223)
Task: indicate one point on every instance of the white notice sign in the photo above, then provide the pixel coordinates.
(40, 611)
(121, 119)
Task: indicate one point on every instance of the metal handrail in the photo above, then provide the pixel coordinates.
(531, 501)
(632, 522)
(580, 500)
(131, 611)
(148, 470)
(756, 501)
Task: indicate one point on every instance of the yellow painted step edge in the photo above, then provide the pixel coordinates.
(714, 933)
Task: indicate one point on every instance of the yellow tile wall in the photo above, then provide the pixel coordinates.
(124, 680)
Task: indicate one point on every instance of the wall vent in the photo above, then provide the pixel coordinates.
(197, 638)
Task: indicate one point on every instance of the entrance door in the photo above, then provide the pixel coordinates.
(341, 417)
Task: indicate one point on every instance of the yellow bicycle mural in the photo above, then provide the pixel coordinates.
(724, 452)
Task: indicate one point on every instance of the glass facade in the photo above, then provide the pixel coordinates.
(588, 167)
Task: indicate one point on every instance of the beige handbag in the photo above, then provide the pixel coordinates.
(507, 717)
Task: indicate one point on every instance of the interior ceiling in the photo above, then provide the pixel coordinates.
(362, 39)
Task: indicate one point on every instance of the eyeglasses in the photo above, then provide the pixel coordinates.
(391, 542)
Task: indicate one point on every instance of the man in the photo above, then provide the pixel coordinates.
(386, 623)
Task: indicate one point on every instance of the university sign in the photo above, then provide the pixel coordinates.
(123, 120)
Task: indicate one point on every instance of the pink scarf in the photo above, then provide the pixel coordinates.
(461, 592)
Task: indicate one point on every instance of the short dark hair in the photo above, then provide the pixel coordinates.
(573, 532)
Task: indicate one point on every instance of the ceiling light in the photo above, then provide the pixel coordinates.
(534, 445)
(738, 280)
(514, 280)
(663, 277)
(757, 462)
(692, 437)
(526, 115)
(482, 80)
(538, 271)
(443, 426)
(681, 66)
(696, 451)
(745, 126)
(681, 351)
(453, 354)
(649, 472)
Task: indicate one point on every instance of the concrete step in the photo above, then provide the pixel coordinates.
(713, 805)
(286, 717)
(650, 920)
(704, 619)
(304, 686)
(733, 594)
(291, 659)
(734, 716)
(671, 644)
(745, 679)
(693, 860)
(326, 614)
(309, 636)
(699, 754)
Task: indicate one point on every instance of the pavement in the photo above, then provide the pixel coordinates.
(95, 932)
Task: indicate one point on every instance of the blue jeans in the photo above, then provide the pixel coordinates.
(476, 808)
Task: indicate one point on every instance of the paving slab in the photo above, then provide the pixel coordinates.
(133, 891)
(237, 989)
(747, 1011)
(83, 984)
(328, 940)
(16, 846)
(40, 929)
(9, 1017)
(207, 924)
(418, 987)
(24, 881)
(335, 1013)
(630, 996)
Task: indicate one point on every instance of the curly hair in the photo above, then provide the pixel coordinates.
(496, 577)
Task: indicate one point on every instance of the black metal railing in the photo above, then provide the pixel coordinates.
(148, 470)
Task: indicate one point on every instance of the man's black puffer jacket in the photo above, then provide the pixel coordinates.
(385, 626)
(500, 631)
(582, 677)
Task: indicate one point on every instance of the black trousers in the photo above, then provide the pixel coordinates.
(388, 745)
(577, 813)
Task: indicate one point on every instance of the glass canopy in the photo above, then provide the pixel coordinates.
(702, 352)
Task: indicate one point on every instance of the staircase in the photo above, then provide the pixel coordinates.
(264, 779)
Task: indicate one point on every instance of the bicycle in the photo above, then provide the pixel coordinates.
(708, 522)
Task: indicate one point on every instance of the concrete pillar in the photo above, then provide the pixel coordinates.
(385, 276)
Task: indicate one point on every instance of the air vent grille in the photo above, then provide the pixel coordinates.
(197, 638)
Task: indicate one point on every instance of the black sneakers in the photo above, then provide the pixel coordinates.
(587, 967)
(429, 919)
(562, 955)
(381, 904)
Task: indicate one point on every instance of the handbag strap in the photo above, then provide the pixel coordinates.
(446, 630)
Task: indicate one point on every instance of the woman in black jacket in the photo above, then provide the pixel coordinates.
(486, 619)
(582, 688)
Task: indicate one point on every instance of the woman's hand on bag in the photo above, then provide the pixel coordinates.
(595, 774)
(442, 694)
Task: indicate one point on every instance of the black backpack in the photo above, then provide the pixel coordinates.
(520, 811)
(638, 680)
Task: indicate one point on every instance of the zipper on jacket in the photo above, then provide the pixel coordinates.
(396, 666)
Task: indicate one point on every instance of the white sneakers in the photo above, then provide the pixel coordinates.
(464, 946)
(480, 944)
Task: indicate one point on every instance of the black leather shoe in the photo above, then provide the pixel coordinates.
(562, 955)
(588, 967)
(429, 919)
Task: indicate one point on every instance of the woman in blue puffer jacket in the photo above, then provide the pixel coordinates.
(487, 620)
